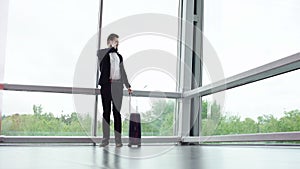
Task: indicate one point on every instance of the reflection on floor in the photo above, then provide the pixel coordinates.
(149, 156)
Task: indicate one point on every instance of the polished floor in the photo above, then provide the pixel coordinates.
(149, 157)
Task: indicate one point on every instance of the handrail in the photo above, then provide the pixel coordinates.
(85, 91)
(275, 68)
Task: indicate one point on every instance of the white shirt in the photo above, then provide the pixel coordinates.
(114, 66)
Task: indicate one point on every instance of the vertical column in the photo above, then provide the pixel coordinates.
(190, 66)
(94, 129)
(185, 66)
(3, 33)
(196, 103)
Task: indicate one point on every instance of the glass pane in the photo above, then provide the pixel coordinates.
(248, 34)
(267, 106)
(157, 116)
(3, 33)
(45, 39)
(154, 80)
(117, 9)
(46, 114)
(149, 52)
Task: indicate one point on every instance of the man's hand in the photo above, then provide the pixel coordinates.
(129, 91)
(115, 45)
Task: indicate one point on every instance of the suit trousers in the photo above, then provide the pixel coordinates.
(112, 95)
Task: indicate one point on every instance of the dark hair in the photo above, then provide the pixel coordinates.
(111, 37)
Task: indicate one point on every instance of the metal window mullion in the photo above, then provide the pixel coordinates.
(94, 128)
(186, 65)
(4, 4)
(178, 68)
(196, 105)
(80, 139)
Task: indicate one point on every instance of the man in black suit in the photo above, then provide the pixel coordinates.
(112, 79)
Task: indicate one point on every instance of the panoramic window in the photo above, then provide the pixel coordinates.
(54, 43)
(248, 34)
(266, 106)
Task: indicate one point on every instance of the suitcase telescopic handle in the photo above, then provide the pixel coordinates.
(130, 103)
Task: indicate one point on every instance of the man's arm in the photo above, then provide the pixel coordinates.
(123, 73)
(124, 76)
(102, 52)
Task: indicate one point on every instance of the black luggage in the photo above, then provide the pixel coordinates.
(134, 128)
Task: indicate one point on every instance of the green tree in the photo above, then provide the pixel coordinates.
(268, 124)
(42, 124)
(211, 117)
(159, 121)
(37, 109)
(290, 122)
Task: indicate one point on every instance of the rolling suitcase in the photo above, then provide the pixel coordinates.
(134, 127)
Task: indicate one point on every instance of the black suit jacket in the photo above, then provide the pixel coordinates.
(104, 67)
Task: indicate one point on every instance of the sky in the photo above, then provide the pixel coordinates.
(250, 33)
(47, 39)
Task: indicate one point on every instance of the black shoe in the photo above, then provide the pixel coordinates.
(103, 144)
